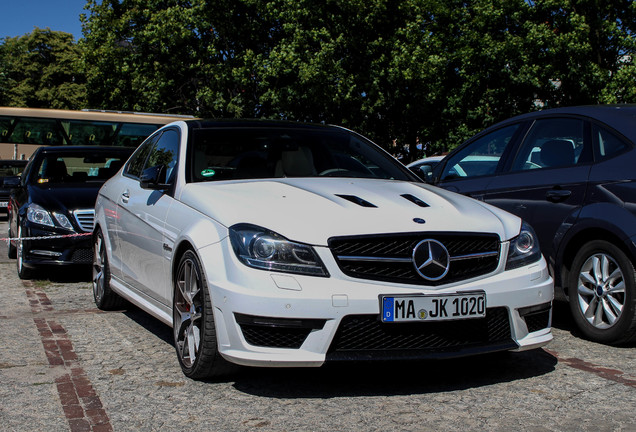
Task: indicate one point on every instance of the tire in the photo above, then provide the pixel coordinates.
(603, 293)
(193, 323)
(12, 252)
(23, 272)
(104, 297)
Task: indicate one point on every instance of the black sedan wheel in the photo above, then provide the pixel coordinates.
(23, 272)
(11, 249)
(603, 293)
(105, 298)
(193, 322)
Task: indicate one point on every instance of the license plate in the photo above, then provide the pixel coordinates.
(4, 204)
(433, 308)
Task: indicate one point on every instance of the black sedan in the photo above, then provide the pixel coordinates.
(10, 171)
(51, 209)
(569, 172)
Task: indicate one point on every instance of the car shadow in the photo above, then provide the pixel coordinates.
(394, 378)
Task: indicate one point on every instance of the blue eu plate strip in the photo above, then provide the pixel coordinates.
(387, 309)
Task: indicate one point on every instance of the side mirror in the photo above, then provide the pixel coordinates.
(154, 178)
(425, 172)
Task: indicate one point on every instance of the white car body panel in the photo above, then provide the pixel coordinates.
(145, 233)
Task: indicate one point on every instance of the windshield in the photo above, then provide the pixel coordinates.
(67, 168)
(248, 153)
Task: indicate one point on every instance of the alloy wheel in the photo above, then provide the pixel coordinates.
(98, 268)
(188, 307)
(601, 290)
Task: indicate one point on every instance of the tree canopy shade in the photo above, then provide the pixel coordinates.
(437, 70)
(42, 69)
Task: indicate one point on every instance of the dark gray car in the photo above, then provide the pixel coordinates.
(570, 173)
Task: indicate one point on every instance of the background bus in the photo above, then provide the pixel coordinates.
(22, 130)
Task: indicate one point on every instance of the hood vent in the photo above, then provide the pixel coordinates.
(357, 200)
(415, 200)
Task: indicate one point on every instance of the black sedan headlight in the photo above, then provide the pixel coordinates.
(524, 249)
(264, 249)
(38, 215)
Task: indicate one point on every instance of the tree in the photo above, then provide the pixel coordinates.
(42, 69)
(433, 70)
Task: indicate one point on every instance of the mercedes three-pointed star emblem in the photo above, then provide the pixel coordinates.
(431, 259)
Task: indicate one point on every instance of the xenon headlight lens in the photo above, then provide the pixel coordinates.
(524, 249)
(264, 249)
(38, 215)
(63, 221)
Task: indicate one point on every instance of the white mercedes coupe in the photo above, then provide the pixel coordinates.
(279, 244)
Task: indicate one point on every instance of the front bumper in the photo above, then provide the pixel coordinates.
(274, 319)
(49, 249)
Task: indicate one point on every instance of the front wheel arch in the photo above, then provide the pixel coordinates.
(574, 244)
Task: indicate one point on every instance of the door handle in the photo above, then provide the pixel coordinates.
(556, 195)
(125, 196)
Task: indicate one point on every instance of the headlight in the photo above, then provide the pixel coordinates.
(63, 221)
(38, 215)
(524, 249)
(263, 249)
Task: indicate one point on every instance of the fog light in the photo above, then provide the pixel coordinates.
(46, 253)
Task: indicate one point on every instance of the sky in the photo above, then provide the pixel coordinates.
(19, 17)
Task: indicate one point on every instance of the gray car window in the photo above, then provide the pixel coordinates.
(480, 157)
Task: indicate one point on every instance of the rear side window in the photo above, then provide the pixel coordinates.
(553, 143)
(606, 143)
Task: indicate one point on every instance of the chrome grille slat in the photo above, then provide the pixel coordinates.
(85, 218)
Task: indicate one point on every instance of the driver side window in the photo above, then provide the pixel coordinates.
(165, 153)
(480, 157)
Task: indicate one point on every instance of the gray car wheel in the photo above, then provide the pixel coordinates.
(193, 322)
(602, 293)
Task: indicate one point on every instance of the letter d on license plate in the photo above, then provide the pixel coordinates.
(433, 308)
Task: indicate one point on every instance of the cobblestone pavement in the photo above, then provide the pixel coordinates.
(64, 365)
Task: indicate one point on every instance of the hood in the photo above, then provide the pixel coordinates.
(64, 197)
(312, 210)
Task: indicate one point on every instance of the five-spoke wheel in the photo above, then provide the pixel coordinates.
(193, 322)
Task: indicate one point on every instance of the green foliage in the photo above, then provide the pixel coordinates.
(42, 70)
(433, 70)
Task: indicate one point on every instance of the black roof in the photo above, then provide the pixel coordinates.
(622, 117)
(255, 123)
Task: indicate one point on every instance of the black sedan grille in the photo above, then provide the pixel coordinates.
(364, 336)
(388, 257)
(85, 219)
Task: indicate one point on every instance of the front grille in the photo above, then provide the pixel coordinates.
(364, 336)
(82, 256)
(85, 219)
(388, 257)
